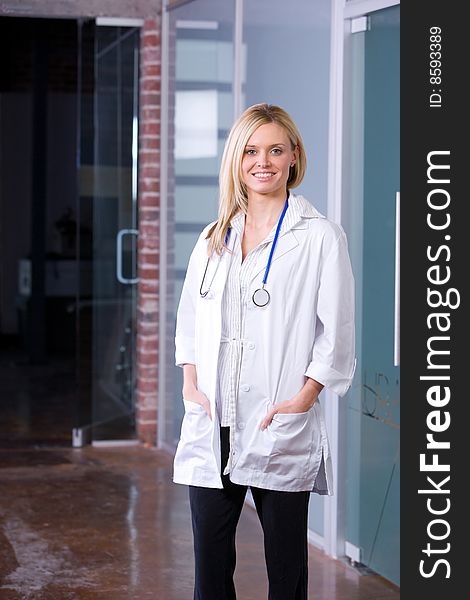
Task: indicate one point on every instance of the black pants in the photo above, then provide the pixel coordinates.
(215, 514)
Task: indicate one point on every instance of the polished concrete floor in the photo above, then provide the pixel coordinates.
(108, 523)
(103, 523)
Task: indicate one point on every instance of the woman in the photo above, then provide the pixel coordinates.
(265, 321)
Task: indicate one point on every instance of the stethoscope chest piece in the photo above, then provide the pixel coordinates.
(261, 297)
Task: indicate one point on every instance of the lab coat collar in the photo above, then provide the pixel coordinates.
(297, 216)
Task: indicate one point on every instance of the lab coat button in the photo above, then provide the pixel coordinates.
(241, 425)
(251, 346)
(245, 388)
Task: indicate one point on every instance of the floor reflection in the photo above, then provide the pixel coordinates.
(109, 523)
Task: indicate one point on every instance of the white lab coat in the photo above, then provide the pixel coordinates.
(306, 329)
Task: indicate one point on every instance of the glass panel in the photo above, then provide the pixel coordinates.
(287, 57)
(373, 442)
(108, 199)
(287, 61)
(200, 114)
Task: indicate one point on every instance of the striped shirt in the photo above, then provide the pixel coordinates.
(235, 300)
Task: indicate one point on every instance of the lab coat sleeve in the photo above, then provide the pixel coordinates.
(333, 355)
(186, 314)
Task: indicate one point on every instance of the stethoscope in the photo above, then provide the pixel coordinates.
(261, 296)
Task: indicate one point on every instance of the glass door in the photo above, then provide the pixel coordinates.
(373, 426)
(108, 117)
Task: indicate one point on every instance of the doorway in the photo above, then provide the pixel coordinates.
(68, 218)
(372, 184)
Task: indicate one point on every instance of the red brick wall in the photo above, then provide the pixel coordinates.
(149, 223)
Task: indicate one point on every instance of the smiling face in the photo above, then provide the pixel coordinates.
(267, 159)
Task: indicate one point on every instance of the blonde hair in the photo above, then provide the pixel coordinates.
(233, 195)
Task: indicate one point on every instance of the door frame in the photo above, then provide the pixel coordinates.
(343, 15)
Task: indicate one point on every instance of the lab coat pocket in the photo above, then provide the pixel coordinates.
(196, 435)
(291, 436)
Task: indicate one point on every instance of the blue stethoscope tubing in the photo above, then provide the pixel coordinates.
(261, 296)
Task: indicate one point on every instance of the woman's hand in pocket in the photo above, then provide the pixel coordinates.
(300, 403)
(190, 391)
(194, 395)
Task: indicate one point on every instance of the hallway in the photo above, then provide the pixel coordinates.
(108, 524)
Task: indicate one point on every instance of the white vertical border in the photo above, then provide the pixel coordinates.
(334, 519)
(396, 327)
(353, 218)
(238, 60)
(163, 285)
(336, 110)
(333, 526)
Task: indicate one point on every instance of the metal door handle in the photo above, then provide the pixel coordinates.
(119, 274)
(396, 331)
